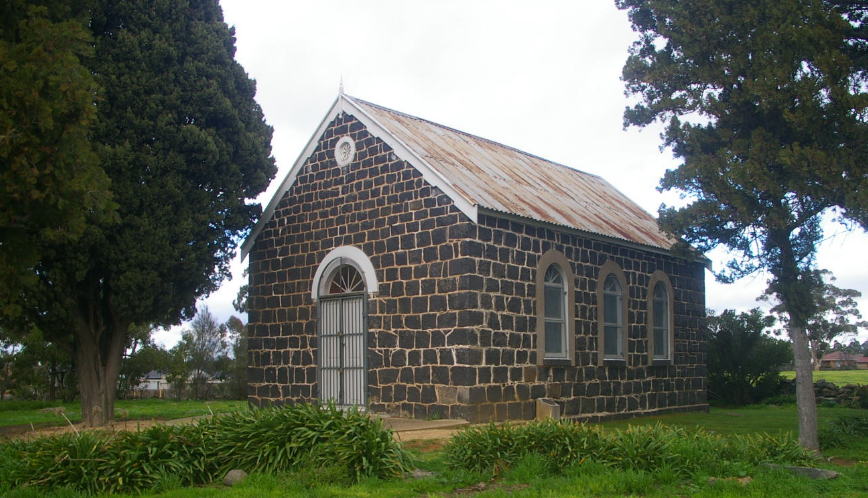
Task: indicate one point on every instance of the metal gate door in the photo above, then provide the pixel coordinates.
(342, 330)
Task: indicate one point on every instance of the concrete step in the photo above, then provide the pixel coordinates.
(399, 424)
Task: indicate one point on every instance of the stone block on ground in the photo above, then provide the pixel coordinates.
(234, 476)
(808, 472)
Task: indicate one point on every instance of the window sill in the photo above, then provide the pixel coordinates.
(614, 362)
(556, 362)
(661, 362)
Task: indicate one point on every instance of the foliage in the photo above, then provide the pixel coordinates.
(853, 347)
(766, 108)
(137, 363)
(837, 314)
(237, 364)
(743, 362)
(321, 436)
(184, 143)
(494, 448)
(32, 368)
(50, 178)
(267, 440)
(842, 430)
(201, 346)
(242, 299)
(209, 351)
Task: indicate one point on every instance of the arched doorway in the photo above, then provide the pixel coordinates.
(341, 286)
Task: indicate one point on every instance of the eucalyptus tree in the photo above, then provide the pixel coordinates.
(764, 105)
(836, 314)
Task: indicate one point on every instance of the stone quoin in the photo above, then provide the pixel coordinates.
(409, 268)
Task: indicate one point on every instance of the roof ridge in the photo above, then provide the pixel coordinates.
(456, 130)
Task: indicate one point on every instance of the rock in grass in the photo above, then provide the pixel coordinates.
(234, 476)
(808, 472)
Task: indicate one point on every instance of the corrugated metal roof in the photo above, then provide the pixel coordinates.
(500, 178)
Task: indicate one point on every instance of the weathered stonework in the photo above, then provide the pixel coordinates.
(452, 328)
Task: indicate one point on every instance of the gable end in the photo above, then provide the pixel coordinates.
(343, 104)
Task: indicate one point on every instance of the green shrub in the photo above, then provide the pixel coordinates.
(267, 440)
(491, 447)
(842, 430)
(780, 400)
(861, 399)
(742, 360)
(278, 439)
(648, 449)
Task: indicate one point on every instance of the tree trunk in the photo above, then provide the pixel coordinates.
(806, 401)
(815, 361)
(98, 356)
(794, 289)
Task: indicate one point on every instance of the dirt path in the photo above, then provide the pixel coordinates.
(435, 434)
(403, 429)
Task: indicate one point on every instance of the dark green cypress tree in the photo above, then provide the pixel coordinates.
(50, 178)
(184, 143)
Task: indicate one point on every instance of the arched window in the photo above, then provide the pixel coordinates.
(612, 312)
(346, 279)
(344, 269)
(554, 297)
(660, 319)
(555, 320)
(613, 318)
(660, 309)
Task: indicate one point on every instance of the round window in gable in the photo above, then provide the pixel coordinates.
(345, 151)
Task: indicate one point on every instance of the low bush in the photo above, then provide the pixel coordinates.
(266, 440)
(861, 397)
(842, 430)
(742, 360)
(780, 400)
(562, 444)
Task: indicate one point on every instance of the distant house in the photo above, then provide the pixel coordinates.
(407, 267)
(839, 360)
(153, 385)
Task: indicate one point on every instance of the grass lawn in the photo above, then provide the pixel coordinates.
(39, 413)
(837, 377)
(531, 477)
(757, 418)
(743, 420)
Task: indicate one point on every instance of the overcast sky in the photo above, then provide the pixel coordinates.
(543, 78)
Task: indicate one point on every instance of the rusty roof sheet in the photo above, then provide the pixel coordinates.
(500, 178)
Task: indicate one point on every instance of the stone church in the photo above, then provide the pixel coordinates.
(410, 268)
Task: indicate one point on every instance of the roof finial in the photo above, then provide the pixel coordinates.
(341, 87)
